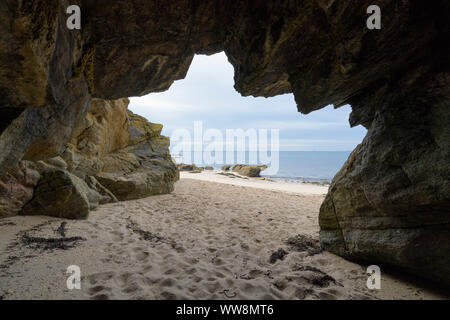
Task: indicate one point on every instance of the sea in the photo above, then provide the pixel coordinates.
(292, 165)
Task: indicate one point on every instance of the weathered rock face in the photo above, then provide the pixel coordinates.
(123, 151)
(16, 188)
(186, 167)
(113, 155)
(226, 167)
(248, 170)
(44, 91)
(61, 194)
(391, 196)
(390, 203)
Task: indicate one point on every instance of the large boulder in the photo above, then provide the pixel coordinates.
(248, 170)
(139, 170)
(61, 194)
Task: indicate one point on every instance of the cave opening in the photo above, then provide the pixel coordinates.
(210, 124)
(71, 149)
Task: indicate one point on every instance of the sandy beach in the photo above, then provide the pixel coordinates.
(214, 237)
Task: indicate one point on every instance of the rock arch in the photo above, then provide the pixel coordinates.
(389, 203)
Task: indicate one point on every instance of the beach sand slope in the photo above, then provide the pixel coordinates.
(206, 240)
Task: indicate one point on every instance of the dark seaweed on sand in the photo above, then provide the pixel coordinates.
(278, 255)
(50, 243)
(41, 243)
(304, 243)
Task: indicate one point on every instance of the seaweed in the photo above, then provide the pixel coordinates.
(278, 255)
(304, 243)
(50, 243)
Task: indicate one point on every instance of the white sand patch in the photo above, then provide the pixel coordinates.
(299, 188)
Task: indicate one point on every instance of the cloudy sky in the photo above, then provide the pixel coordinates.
(207, 94)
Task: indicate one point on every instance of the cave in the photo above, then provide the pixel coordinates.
(389, 204)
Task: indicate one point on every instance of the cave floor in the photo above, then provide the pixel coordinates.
(204, 241)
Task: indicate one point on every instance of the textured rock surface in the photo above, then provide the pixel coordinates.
(113, 155)
(396, 80)
(390, 203)
(61, 194)
(186, 167)
(16, 188)
(124, 152)
(248, 170)
(42, 96)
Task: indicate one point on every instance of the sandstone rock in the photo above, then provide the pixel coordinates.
(106, 196)
(186, 167)
(57, 162)
(139, 171)
(61, 194)
(105, 128)
(209, 168)
(389, 204)
(41, 100)
(16, 189)
(113, 155)
(123, 151)
(248, 170)
(226, 167)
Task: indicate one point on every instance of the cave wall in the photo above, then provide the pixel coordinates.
(113, 155)
(391, 196)
(390, 203)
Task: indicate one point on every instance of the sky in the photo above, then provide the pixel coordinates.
(207, 94)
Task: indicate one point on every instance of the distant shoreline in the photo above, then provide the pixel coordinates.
(311, 166)
(275, 184)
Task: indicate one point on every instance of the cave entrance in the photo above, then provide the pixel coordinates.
(212, 125)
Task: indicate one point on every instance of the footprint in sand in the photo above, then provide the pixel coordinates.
(140, 254)
(101, 297)
(96, 289)
(100, 277)
(117, 235)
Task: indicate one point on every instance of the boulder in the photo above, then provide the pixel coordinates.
(106, 195)
(57, 162)
(209, 168)
(141, 170)
(226, 167)
(61, 194)
(186, 167)
(248, 170)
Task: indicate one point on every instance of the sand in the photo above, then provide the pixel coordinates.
(267, 183)
(206, 240)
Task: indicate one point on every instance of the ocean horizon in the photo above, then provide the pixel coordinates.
(309, 165)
